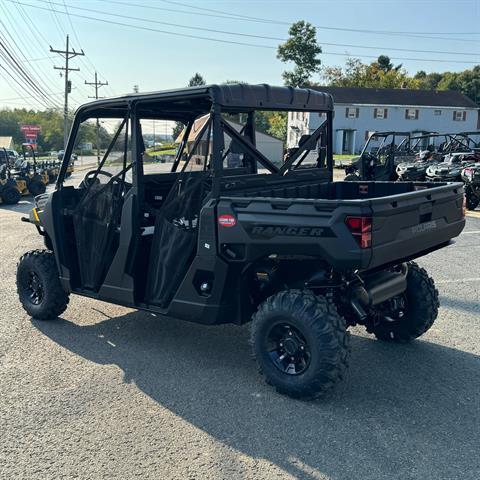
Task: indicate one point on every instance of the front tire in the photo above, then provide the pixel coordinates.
(10, 195)
(419, 309)
(300, 343)
(38, 285)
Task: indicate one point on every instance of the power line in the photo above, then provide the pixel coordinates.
(41, 39)
(232, 42)
(25, 97)
(16, 28)
(23, 74)
(233, 16)
(91, 67)
(241, 34)
(22, 86)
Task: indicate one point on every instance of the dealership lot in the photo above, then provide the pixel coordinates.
(107, 392)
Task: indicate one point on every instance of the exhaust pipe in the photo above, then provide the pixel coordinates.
(377, 289)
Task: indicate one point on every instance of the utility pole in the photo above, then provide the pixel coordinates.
(97, 84)
(67, 55)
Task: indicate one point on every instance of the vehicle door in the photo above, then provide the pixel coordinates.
(96, 214)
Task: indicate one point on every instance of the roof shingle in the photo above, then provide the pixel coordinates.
(399, 96)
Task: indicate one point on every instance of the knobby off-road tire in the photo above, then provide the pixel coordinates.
(472, 201)
(38, 285)
(421, 309)
(36, 187)
(10, 195)
(297, 317)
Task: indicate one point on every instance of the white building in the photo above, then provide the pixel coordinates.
(360, 111)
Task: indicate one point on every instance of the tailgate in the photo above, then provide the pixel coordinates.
(411, 224)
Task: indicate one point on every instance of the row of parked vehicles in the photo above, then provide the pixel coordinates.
(22, 175)
(431, 157)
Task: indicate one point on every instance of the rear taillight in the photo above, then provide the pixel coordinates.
(361, 230)
(464, 206)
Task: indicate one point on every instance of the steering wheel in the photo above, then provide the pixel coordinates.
(89, 178)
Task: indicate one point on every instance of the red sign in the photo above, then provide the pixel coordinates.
(227, 220)
(31, 133)
(30, 129)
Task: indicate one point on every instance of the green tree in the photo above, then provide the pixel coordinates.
(466, 82)
(302, 49)
(374, 75)
(278, 125)
(383, 63)
(196, 80)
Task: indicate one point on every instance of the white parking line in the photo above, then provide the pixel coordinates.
(471, 231)
(459, 280)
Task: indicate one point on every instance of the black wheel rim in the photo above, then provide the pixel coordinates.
(35, 288)
(395, 310)
(288, 349)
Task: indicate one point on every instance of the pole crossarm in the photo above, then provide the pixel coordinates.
(67, 54)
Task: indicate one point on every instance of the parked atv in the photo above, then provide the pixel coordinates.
(471, 178)
(415, 171)
(36, 179)
(10, 190)
(298, 255)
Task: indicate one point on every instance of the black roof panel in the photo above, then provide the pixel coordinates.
(231, 97)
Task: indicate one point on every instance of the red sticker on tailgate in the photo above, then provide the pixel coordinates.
(227, 220)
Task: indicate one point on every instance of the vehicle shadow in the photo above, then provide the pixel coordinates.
(23, 206)
(404, 411)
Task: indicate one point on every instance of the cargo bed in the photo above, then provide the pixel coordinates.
(407, 220)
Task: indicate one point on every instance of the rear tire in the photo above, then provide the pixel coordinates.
(421, 300)
(300, 343)
(472, 201)
(351, 177)
(38, 285)
(11, 195)
(36, 187)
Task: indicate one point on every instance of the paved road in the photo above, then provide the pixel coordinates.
(107, 392)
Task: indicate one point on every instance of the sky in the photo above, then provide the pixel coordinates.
(163, 52)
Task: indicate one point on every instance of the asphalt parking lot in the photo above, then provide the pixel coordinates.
(107, 392)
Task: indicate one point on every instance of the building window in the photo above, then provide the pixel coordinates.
(459, 116)
(380, 112)
(351, 112)
(437, 112)
(411, 114)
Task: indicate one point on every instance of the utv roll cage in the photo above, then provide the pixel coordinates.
(187, 105)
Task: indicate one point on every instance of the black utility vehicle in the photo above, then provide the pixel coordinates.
(471, 179)
(380, 156)
(301, 256)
